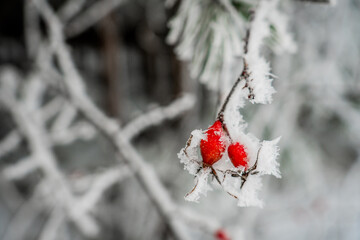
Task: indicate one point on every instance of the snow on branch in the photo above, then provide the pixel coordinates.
(69, 9)
(9, 143)
(32, 28)
(13, 139)
(20, 169)
(64, 119)
(36, 137)
(91, 16)
(100, 184)
(80, 130)
(259, 76)
(52, 226)
(158, 115)
(50, 109)
(64, 132)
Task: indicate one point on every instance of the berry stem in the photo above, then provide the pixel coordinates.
(243, 76)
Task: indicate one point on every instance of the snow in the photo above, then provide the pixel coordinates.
(201, 186)
(249, 192)
(267, 163)
(189, 155)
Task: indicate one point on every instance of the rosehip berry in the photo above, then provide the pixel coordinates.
(221, 235)
(213, 147)
(238, 155)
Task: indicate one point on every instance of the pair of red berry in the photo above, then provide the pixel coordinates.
(213, 148)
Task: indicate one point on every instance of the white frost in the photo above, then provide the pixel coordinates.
(268, 154)
(201, 186)
(249, 192)
(189, 155)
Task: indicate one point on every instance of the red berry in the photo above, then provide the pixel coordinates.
(238, 155)
(213, 147)
(221, 235)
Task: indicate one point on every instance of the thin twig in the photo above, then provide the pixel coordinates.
(244, 76)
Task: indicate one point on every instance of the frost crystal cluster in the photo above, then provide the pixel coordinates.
(220, 39)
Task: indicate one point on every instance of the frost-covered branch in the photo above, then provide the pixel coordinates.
(46, 160)
(91, 16)
(9, 143)
(69, 9)
(50, 109)
(158, 115)
(20, 169)
(64, 132)
(52, 225)
(32, 28)
(13, 139)
(100, 184)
